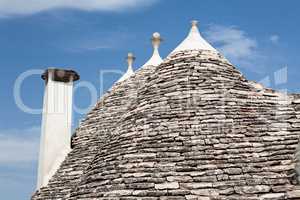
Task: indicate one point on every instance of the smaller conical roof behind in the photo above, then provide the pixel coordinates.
(155, 60)
(130, 58)
(194, 41)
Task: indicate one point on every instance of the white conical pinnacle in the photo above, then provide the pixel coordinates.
(155, 60)
(130, 59)
(194, 41)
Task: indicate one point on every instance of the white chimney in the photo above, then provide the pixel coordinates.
(55, 141)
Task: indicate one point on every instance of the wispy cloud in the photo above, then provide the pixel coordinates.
(99, 41)
(237, 46)
(19, 7)
(19, 145)
(88, 45)
(274, 39)
(244, 51)
(233, 42)
(18, 162)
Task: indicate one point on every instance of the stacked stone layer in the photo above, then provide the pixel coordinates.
(194, 128)
(97, 125)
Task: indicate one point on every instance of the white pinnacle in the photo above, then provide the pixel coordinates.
(155, 60)
(194, 41)
(130, 58)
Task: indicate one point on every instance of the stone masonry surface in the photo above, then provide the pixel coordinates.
(192, 128)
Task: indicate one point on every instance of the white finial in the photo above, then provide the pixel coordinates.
(156, 40)
(130, 59)
(194, 22)
(155, 60)
(194, 41)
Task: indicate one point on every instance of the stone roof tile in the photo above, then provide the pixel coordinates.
(191, 128)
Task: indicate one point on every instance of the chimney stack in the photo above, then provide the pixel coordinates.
(55, 141)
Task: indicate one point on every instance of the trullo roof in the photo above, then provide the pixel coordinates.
(192, 128)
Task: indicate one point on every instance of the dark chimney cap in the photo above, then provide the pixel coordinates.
(61, 75)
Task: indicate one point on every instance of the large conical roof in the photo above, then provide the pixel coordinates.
(198, 129)
(191, 128)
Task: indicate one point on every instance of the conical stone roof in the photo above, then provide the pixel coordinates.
(92, 133)
(198, 129)
(191, 128)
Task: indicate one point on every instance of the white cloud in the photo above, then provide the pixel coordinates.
(96, 41)
(245, 52)
(232, 42)
(18, 146)
(274, 39)
(238, 47)
(23, 7)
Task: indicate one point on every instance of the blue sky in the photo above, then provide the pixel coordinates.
(259, 37)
